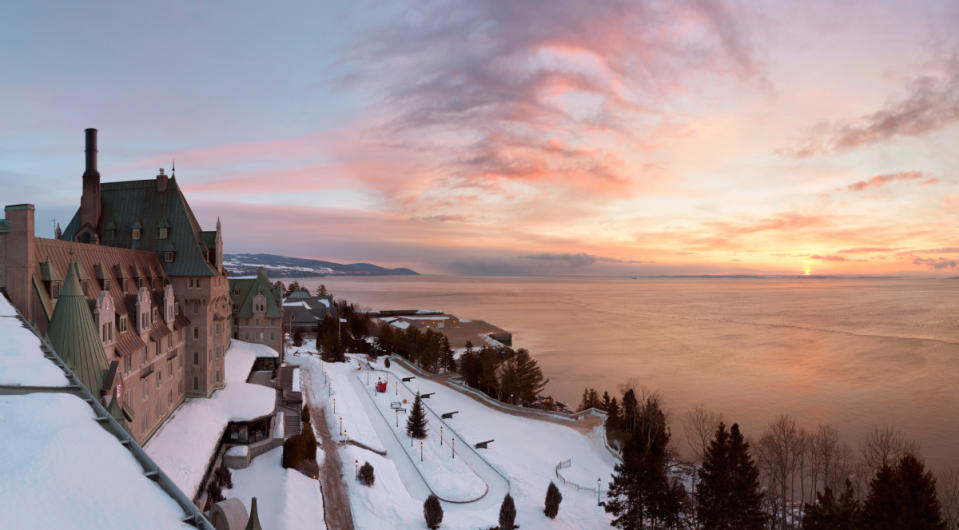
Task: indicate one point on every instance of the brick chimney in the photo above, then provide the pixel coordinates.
(162, 181)
(19, 254)
(90, 200)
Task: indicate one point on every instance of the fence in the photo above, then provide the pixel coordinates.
(569, 483)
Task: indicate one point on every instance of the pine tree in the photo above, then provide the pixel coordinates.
(640, 495)
(606, 401)
(728, 496)
(553, 498)
(903, 497)
(416, 424)
(630, 406)
(529, 376)
(507, 514)
(829, 514)
(613, 421)
(433, 512)
(366, 476)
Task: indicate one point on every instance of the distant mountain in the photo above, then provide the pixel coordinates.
(287, 267)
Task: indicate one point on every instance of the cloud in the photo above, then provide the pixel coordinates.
(867, 250)
(581, 259)
(827, 257)
(931, 104)
(882, 180)
(937, 264)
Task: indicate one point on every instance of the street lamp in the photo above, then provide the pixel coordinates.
(441, 435)
(334, 405)
(341, 425)
(453, 447)
(346, 436)
(356, 468)
(597, 492)
(421, 451)
(397, 418)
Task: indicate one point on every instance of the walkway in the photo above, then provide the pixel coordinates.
(336, 500)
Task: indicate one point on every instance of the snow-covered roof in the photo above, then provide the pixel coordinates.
(56, 449)
(296, 304)
(429, 317)
(184, 443)
(401, 324)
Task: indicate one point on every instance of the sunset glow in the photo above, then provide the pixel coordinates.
(516, 137)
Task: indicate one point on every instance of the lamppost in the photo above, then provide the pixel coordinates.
(397, 418)
(421, 451)
(453, 447)
(341, 424)
(441, 435)
(334, 405)
(346, 435)
(597, 492)
(356, 468)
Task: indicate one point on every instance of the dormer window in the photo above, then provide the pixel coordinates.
(123, 324)
(164, 233)
(106, 284)
(169, 256)
(136, 234)
(155, 313)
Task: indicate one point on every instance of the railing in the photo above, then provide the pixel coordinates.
(569, 483)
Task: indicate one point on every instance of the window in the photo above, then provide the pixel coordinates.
(123, 323)
(136, 233)
(196, 383)
(128, 363)
(196, 358)
(155, 313)
(196, 333)
(169, 341)
(169, 256)
(159, 376)
(164, 233)
(146, 387)
(143, 322)
(106, 284)
(54, 289)
(217, 376)
(169, 366)
(236, 308)
(196, 307)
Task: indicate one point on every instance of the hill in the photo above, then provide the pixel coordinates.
(287, 267)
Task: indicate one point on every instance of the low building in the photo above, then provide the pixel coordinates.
(257, 311)
(457, 331)
(304, 312)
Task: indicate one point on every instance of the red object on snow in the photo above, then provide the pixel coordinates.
(381, 386)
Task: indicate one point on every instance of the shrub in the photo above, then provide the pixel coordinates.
(507, 513)
(309, 442)
(553, 498)
(297, 338)
(214, 491)
(433, 512)
(366, 474)
(386, 362)
(293, 451)
(224, 477)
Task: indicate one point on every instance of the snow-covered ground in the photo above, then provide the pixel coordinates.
(285, 498)
(525, 450)
(184, 444)
(21, 361)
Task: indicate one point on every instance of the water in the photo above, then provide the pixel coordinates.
(853, 353)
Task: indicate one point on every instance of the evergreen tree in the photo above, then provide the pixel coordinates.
(321, 291)
(728, 496)
(416, 424)
(530, 380)
(613, 421)
(553, 498)
(366, 476)
(449, 362)
(640, 495)
(606, 401)
(471, 368)
(433, 512)
(507, 514)
(828, 513)
(903, 497)
(630, 406)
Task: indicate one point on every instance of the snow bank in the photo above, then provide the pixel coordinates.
(62, 470)
(286, 499)
(21, 361)
(184, 444)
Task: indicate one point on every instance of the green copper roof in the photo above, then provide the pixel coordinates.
(74, 336)
(254, 522)
(243, 290)
(128, 204)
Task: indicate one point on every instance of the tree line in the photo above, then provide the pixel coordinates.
(511, 376)
(787, 478)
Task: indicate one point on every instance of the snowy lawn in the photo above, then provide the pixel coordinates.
(62, 470)
(21, 361)
(526, 450)
(184, 444)
(449, 477)
(286, 499)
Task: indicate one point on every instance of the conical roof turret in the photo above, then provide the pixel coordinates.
(74, 336)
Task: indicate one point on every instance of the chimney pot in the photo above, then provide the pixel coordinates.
(91, 150)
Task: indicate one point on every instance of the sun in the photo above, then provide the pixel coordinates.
(807, 270)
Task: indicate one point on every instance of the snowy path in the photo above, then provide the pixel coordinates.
(336, 501)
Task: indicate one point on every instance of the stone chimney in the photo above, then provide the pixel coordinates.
(90, 200)
(161, 181)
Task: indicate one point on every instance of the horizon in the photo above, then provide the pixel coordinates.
(621, 139)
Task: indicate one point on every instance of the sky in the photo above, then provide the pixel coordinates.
(537, 137)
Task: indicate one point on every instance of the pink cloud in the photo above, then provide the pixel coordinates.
(882, 180)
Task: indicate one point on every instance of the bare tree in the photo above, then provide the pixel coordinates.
(884, 446)
(949, 496)
(779, 456)
(699, 426)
